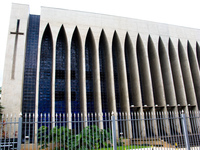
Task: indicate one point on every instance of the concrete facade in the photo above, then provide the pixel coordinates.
(163, 61)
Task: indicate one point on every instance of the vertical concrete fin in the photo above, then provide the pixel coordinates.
(195, 73)
(132, 73)
(156, 76)
(120, 76)
(133, 81)
(144, 71)
(170, 95)
(187, 78)
(105, 55)
(177, 75)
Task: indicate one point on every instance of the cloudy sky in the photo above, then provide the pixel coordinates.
(177, 12)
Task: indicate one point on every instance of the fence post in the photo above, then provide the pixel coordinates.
(185, 131)
(19, 136)
(114, 132)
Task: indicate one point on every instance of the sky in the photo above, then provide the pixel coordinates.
(177, 12)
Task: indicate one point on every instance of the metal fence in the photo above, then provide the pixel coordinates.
(160, 130)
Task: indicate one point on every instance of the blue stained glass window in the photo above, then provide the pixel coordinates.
(102, 73)
(89, 75)
(31, 65)
(29, 89)
(60, 86)
(116, 78)
(45, 73)
(75, 96)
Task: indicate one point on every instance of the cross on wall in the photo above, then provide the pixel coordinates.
(15, 47)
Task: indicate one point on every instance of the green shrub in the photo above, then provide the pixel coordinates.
(91, 137)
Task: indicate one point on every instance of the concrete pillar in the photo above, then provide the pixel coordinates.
(122, 76)
(68, 77)
(170, 95)
(82, 77)
(96, 76)
(187, 77)
(178, 80)
(195, 72)
(145, 81)
(68, 74)
(157, 82)
(134, 83)
(122, 79)
(144, 71)
(177, 75)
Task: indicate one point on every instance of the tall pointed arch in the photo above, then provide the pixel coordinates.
(106, 73)
(115, 55)
(45, 79)
(75, 80)
(89, 50)
(195, 73)
(170, 95)
(132, 73)
(157, 81)
(60, 78)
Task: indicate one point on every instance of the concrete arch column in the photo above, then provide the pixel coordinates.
(177, 75)
(146, 84)
(195, 72)
(82, 73)
(69, 34)
(132, 65)
(187, 77)
(144, 71)
(170, 94)
(157, 83)
(95, 35)
(121, 71)
(118, 52)
(178, 81)
(134, 83)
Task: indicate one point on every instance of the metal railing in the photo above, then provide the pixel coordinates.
(160, 130)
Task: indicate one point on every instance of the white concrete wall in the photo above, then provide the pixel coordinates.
(12, 89)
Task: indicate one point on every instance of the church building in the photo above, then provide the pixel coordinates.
(65, 61)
